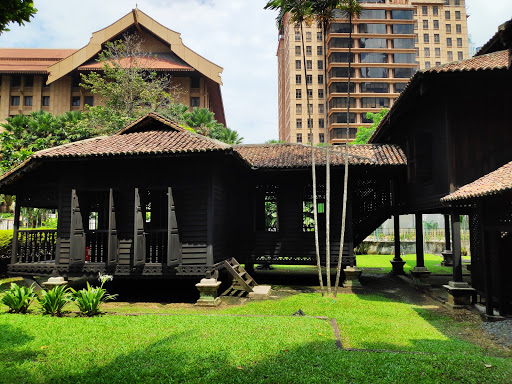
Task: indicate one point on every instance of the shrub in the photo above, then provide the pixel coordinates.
(18, 299)
(88, 300)
(54, 300)
(5, 242)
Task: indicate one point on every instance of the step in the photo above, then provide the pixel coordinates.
(260, 292)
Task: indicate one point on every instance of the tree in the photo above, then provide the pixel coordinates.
(225, 135)
(364, 133)
(274, 141)
(323, 10)
(15, 11)
(26, 134)
(349, 9)
(299, 11)
(127, 84)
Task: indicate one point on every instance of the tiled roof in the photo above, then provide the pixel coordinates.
(140, 137)
(299, 155)
(493, 183)
(28, 60)
(157, 62)
(490, 61)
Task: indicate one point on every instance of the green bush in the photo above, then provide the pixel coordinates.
(18, 299)
(54, 300)
(88, 300)
(5, 242)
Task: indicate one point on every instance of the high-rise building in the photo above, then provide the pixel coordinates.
(390, 40)
(49, 79)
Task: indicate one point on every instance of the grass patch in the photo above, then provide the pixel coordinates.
(432, 262)
(198, 347)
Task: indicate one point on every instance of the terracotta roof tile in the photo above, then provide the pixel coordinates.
(158, 62)
(28, 60)
(299, 155)
(490, 61)
(493, 183)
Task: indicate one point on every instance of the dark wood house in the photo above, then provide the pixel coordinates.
(157, 200)
(453, 122)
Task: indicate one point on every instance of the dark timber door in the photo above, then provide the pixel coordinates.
(139, 241)
(173, 245)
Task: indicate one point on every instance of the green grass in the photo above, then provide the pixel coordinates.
(432, 262)
(204, 347)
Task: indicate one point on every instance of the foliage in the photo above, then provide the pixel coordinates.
(18, 299)
(273, 141)
(364, 133)
(26, 134)
(8, 200)
(5, 241)
(53, 301)
(362, 248)
(225, 135)
(89, 300)
(50, 223)
(15, 11)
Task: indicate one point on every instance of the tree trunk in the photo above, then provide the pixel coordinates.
(345, 179)
(313, 168)
(327, 179)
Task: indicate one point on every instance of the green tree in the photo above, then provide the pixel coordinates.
(225, 135)
(127, 84)
(350, 9)
(15, 11)
(26, 134)
(364, 133)
(273, 141)
(300, 11)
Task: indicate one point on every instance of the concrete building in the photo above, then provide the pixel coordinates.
(48, 79)
(390, 41)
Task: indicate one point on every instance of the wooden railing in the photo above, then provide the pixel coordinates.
(156, 245)
(96, 243)
(36, 245)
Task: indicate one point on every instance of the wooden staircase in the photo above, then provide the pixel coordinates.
(243, 283)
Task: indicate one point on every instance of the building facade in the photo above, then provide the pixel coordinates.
(390, 40)
(49, 79)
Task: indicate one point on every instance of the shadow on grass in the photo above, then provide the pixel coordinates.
(314, 362)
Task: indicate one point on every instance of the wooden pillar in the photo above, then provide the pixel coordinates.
(457, 260)
(139, 241)
(447, 242)
(173, 239)
(77, 243)
(396, 229)
(14, 252)
(210, 219)
(486, 268)
(113, 248)
(420, 258)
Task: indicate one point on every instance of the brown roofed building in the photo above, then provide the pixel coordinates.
(48, 79)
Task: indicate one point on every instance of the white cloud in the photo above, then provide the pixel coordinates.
(238, 35)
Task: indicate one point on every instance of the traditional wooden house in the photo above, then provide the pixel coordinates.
(452, 122)
(157, 200)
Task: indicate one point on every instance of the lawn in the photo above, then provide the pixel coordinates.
(262, 343)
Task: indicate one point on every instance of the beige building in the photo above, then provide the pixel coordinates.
(48, 79)
(390, 41)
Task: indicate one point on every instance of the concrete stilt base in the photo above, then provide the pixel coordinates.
(208, 293)
(55, 282)
(447, 258)
(398, 267)
(459, 294)
(260, 292)
(420, 277)
(352, 275)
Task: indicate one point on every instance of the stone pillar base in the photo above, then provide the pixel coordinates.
(398, 267)
(459, 294)
(352, 275)
(448, 258)
(208, 293)
(55, 282)
(420, 277)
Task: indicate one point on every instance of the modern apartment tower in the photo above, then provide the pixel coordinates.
(390, 41)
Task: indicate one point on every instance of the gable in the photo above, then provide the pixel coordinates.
(160, 40)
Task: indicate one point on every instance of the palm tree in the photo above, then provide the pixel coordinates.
(299, 11)
(322, 10)
(349, 9)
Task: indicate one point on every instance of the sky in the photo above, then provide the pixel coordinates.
(239, 36)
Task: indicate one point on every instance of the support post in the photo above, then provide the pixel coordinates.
(459, 292)
(352, 272)
(447, 253)
(489, 307)
(420, 273)
(17, 211)
(397, 263)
